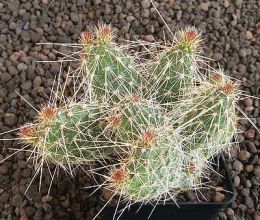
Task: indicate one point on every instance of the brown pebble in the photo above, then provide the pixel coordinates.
(229, 212)
(243, 155)
(218, 197)
(47, 198)
(248, 168)
(23, 214)
(65, 203)
(248, 102)
(4, 169)
(1, 191)
(250, 133)
(106, 193)
(148, 38)
(204, 6)
(248, 35)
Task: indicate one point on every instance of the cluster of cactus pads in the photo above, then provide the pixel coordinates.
(159, 124)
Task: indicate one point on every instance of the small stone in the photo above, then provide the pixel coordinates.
(226, 3)
(236, 181)
(243, 155)
(47, 198)
(45, 2)
(4, 77)
(248, 168)
(238, 166)
(249, 202)
(239, 3)
(248, 35)
(4, 169)
(97, 2)
(65, 203)
(146, 3)
(230, 212)
(22, 67)
(17, 200)
(257, 216)
(106, 193)
(217, 56)
(204, 6)
(250, 133)
(242, 53)
(1, 191)
(148, 38)
(218, 197)
(10, 119)
(81, 2)
(179, 14)
(248, 102)
(30, 211)
(257, 171)
(37, 81)
(245, 192)
(130, 18)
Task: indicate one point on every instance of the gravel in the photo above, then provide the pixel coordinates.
(231, 30)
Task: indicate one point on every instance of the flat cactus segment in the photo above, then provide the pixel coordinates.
(173, 72)
(67, 135)
(209, 117)
(110, 73)
(108, 70)
(175, 68)
(149, 173)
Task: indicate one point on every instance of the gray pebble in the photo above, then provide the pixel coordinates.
(217, 56)
(242, 53)
(243, 155)
(81, 2)
(238, 166)
(249, 202)
(4, 77)
(97, 2)
(146, 3)
(22, 67)
(257, 171)
(17, 200)
(10, 119)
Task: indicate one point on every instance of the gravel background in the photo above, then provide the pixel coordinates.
(232, 33)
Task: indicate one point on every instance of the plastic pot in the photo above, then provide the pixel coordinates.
(169, 210)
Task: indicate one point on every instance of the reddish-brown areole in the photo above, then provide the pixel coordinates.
(48, 113)
(105, 31)
(229, 88)
(114, 121)
(148, 138)
(191, 35)
(135, 98)
(26, 132)
(117, 176)
(87, 37)
(216, 77)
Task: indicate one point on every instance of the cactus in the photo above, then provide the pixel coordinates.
(133, 117)
(175, 67)
(109, 71)
(160, 151)
(209, 118)
(67, 135)
(150, 171)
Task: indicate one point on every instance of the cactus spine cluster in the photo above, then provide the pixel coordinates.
(162, 142)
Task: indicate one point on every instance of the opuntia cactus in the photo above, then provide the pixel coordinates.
(175, 68)
(209, 115)
(108, 70)
(68, 134)
(160, 150)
